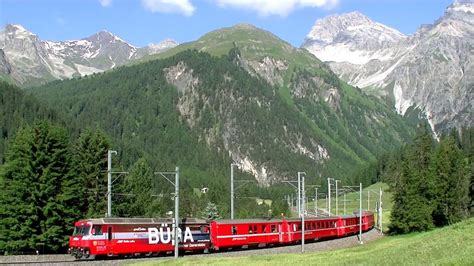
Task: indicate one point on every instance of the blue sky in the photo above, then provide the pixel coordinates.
(141, 22)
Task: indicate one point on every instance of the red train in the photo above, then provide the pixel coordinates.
(150, 236)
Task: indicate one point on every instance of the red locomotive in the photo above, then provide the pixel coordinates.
(150, 236)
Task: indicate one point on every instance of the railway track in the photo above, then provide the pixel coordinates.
(310, 247)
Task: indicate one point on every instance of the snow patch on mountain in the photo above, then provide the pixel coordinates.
(429, 70)
(33, 59)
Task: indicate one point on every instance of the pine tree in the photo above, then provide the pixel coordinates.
(211, 212)
(137, 195)
(31, 207)
(86, 190)
(414, 188)
(451, 170)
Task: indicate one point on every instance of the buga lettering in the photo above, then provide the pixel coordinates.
(165, 235)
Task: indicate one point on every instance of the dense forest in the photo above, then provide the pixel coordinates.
(49, 181)
(432, 181)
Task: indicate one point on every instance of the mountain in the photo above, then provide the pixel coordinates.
(33, 61)
(431, 70)
(244, 94)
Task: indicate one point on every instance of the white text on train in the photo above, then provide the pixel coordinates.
(165, 235)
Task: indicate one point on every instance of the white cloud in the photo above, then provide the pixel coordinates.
(275, 7)
(169, 6)
(105, 3)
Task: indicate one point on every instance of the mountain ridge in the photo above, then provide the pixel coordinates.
(230, 83)
(430, 70)
(34, 61)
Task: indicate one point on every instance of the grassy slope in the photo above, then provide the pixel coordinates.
(450, 245)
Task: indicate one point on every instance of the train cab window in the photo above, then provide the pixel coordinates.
(97, 230)
(109, 233)
(234, 230)
(204, 229)
(273, 228)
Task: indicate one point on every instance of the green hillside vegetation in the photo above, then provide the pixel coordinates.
(431, 182)
(452, 245)
(354, 131)
(355, 128)
(18, 109)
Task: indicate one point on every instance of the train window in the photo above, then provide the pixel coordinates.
(264, 228)
(97, 230)
(109, 233)
(273, 228)
(250, 229)
(255, 229)
(204, 229)
(234, 230)
(294, 227)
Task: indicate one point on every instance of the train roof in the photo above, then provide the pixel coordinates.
(247, 221)
(122, 220)
(307, 218)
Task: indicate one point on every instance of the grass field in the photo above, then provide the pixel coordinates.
(453, 245)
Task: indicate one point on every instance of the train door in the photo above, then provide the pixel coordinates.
(280, 237)
(110, 246)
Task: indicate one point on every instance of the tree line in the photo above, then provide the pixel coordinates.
(431, 181)
(49, 181)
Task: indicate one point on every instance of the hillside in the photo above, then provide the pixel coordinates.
(17, 109)
(453, 245)
(270, 127)
(348, 122)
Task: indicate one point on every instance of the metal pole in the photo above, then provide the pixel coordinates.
(231, 191)
(380, 209)
(299, 195)
(316, 202)
(344, 203)
(337, 206)
(329, 196)
(176, 212)
(302, 215)
(326, 202)
(109, 182)
(291, 201)
(360, 213)
(368, 200)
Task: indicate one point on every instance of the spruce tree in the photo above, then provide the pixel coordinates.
(137, 196)
(32, 178)
(211, 212)
(86, 190)
(414, 187)
(451, 170)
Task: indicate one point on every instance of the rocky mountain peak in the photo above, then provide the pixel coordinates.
(351, 37)
(430, 70)
(461, 6)
(345, 27)
(166, 43)
(14, 32)
(32, 60)
(105, 37)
